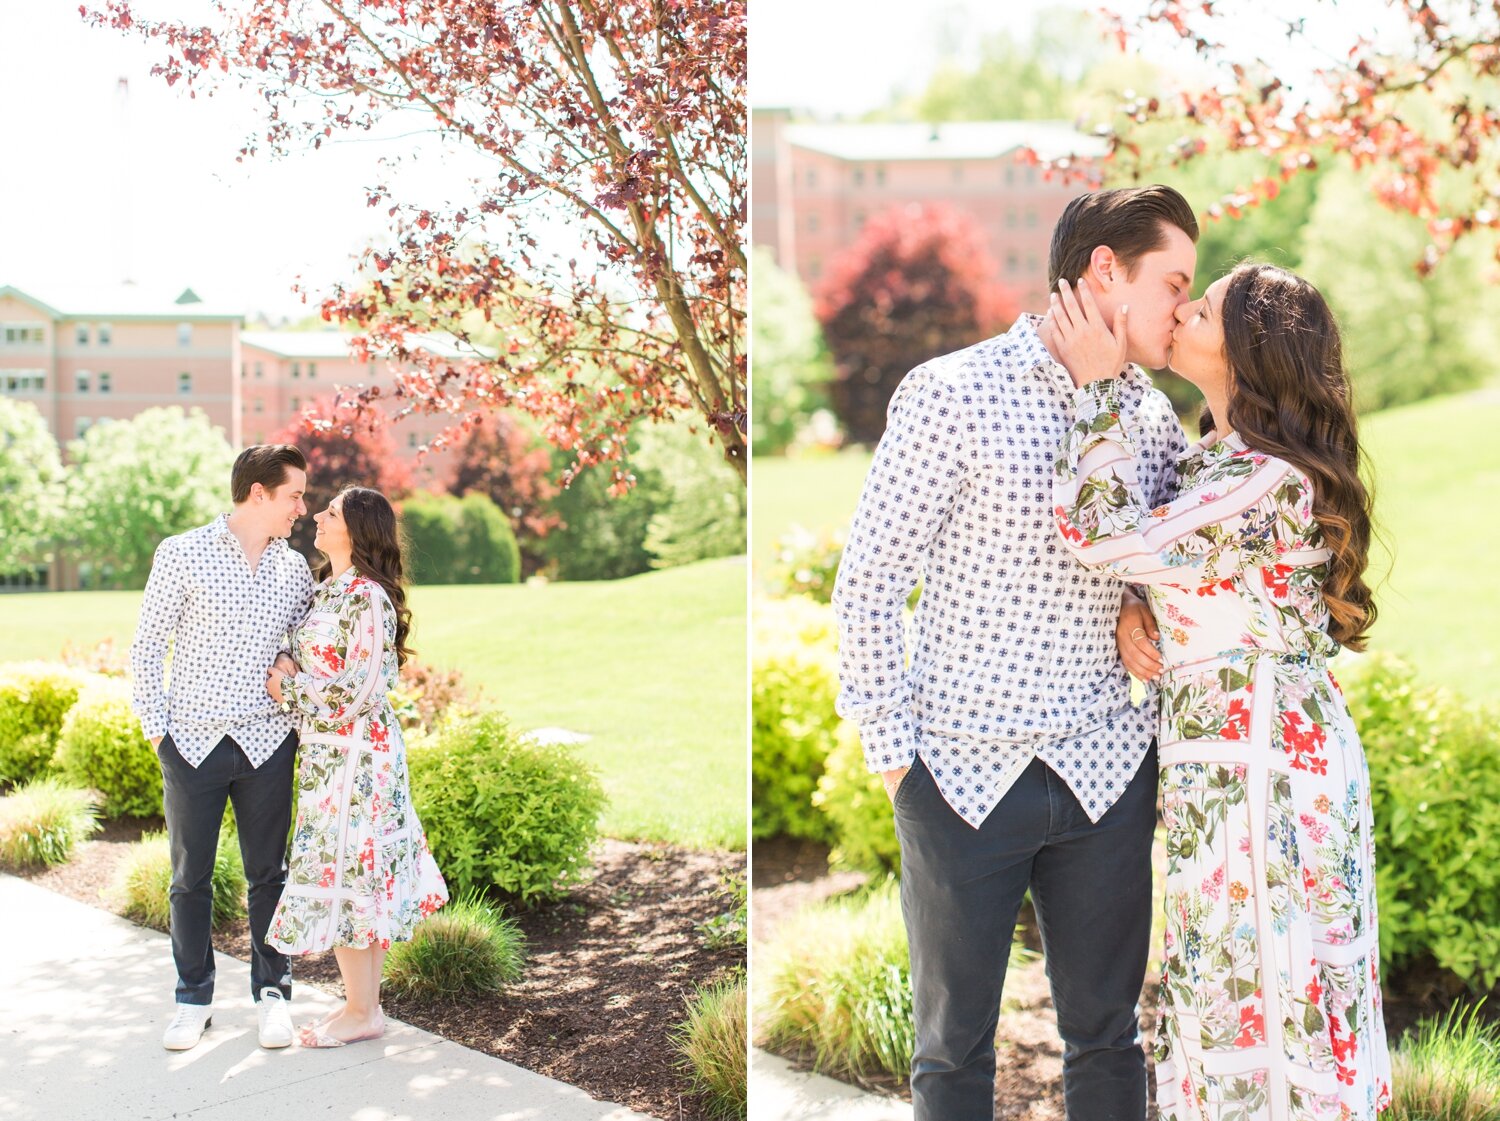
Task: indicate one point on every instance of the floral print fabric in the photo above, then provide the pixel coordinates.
(1271, 1006)
(359, 873)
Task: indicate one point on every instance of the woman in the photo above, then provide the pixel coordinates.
(1271, 1007)
(360, 875)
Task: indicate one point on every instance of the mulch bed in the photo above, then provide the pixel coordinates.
(789, 874)
(608, 969)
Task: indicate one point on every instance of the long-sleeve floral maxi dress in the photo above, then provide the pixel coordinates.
(359, 873)
(1271, 1007)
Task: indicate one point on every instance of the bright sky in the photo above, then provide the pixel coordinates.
(88, 200)
(849, 56)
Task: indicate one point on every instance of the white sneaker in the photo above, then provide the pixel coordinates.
(187, 1026)
(275, 1018)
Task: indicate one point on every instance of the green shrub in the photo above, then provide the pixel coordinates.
(102, 747)
(41, 822)
(466, 949)
(425, 695)
(34, 698)
(1435, 790)
(805, 563)
(713, 1047)
(602, 535)
(1448, 1070)
(459, 540)
(794, 683)
(858, 809)
(730, 927)
(144, 881)
(837, 986)
(503, 811)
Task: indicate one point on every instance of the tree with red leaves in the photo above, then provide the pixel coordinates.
(626, 119)
(502, 460)
(1421, 120)
(914, 285)
(341, 451)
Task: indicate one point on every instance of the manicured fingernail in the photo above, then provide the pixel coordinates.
(1062, 281)
(1125, 309)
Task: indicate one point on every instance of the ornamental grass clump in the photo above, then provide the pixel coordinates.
(467, 949)
(837, 986)
(1448, 1069)
(712, 1047)
(144, 881)
(41, 822)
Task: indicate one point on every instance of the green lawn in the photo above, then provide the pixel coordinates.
(652, 667)
(1437, 486)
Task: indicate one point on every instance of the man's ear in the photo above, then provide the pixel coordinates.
(257, 491)
(1104, 268)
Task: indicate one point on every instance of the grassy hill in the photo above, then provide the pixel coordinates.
(1436, 471)
(653, 668)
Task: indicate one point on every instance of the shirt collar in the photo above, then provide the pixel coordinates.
(220, 529)
(1032, 353)
(341, 582)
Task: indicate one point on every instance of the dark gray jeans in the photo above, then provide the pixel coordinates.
(194, 801)
(961, 889)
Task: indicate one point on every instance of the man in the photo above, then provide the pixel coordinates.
(230, 592)
(1009, 747)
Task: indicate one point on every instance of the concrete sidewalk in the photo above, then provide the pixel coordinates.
(780, 1092)
(85, 996)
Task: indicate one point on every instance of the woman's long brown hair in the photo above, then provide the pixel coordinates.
(376, 549)
(1289, 397)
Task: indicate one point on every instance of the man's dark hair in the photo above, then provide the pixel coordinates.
(265, 464)
(1127, 219)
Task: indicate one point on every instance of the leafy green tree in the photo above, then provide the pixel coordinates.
(31, 487)
(602, 536)
(1405, 337)
(703, 511)
(792, 367)
(136, 481)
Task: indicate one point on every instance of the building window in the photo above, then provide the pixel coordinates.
(184, 334)
(1031, 219)
(859, 219)
(1010, 176)
(103, 382)
(22, 334)
(859, 177)
(81, 334)
(812, 223)
(296, 403)
(260, 405)
(259, 370)
(1012, 262)
(296, 369)
(81, 425)
(81, 380)
(184, 383)
(812, 177)
(411, 439)
(105, 335)
(23, 381)
(312, 370)
(880, 177)
(1031, 262)
(815, 267)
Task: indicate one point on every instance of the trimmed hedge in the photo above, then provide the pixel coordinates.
(503, 811)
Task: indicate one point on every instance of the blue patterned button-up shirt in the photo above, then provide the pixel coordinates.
(1013, 654)
(228, 624)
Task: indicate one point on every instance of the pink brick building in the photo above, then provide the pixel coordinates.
(85, 358)
(815, 185)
